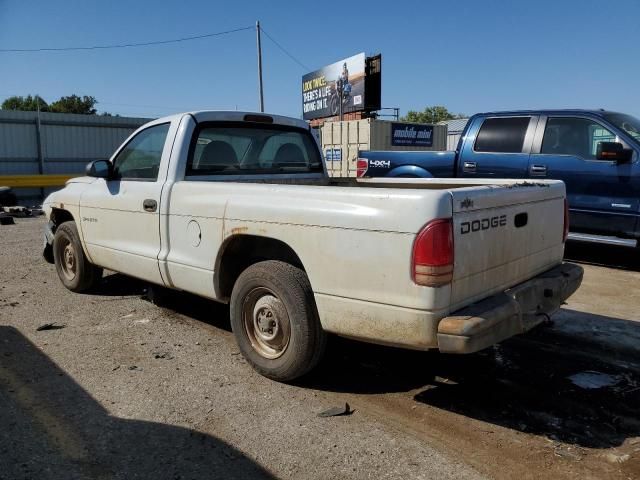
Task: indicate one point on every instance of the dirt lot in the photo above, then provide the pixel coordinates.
(128, 389)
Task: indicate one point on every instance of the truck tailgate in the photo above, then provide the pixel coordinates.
(504, 235)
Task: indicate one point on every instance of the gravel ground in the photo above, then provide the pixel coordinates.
(129, 389)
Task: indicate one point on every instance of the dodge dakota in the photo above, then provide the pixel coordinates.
(237, 207)
(595, 152)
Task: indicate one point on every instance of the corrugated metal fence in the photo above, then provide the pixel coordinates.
(56, 143)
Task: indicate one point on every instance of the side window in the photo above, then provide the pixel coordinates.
(140, 158)
(502, 135)
(578, 137)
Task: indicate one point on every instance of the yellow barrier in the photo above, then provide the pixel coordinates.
(34, 181)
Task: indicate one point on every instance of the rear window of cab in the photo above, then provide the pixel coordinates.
(241, 148)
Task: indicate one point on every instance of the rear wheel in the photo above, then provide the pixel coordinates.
(275, 321)
(75, 271)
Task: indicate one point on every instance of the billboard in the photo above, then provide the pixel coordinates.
(411, 135)
(323, 89)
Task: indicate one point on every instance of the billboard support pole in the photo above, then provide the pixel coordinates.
(259, 46)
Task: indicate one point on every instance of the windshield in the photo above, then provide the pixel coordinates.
(629, 124)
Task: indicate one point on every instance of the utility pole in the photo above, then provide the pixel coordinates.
(39, 143)
(259, 65)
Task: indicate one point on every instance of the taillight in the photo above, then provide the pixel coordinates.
(362, 165)
(432, 260)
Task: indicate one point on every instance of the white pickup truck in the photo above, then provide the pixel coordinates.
(237, 207)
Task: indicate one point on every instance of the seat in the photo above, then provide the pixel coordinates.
(217, 156)
(551, 141)
(575, 143)
(289, 155)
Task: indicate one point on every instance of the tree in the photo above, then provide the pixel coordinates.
(28, 103)
(434, 114)
(84, 105)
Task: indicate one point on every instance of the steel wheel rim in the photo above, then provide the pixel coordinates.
(68, 260)
(266, 323)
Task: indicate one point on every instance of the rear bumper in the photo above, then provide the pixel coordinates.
(510, 313)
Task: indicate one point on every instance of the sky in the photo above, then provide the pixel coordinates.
(468, 55)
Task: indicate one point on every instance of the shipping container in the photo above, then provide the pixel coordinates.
(342, 140)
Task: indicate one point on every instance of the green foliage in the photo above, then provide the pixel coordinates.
(434, 114)
(28, 103)
(84, 105)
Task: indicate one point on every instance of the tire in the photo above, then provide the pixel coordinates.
(74, 270)
(275, 321)
(333, 105)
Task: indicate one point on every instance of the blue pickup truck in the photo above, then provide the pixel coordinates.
(595, 152)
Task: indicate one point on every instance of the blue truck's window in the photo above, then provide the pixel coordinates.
(140, 158)
(629, 124)
(578, 137)
(502, 135)
(240, 149)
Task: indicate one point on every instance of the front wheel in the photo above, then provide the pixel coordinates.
(75, 271)
(275, 321)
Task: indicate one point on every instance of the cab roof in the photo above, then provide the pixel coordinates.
(569, 111)
(235, 116)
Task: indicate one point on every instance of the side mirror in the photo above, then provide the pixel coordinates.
(99, 169)
(613, 151)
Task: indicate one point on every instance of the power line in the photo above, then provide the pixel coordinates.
(123, 45)
(284, 50)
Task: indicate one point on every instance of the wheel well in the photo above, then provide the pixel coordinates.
(240, 252)
(409, 171)
(59, 216)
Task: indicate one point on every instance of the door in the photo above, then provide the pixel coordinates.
(500, 149)
(119, 217)
(603, 195)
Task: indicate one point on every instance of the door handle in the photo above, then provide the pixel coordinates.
(149, 205)
(469, 167)
(540, 170)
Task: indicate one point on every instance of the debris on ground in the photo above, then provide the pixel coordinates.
(590, 380)
(36, 210)
(49, 326)
(16, 211)
(616, 458)
(567, 451)
(337, 411)
(163, 355)
(6, 219)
